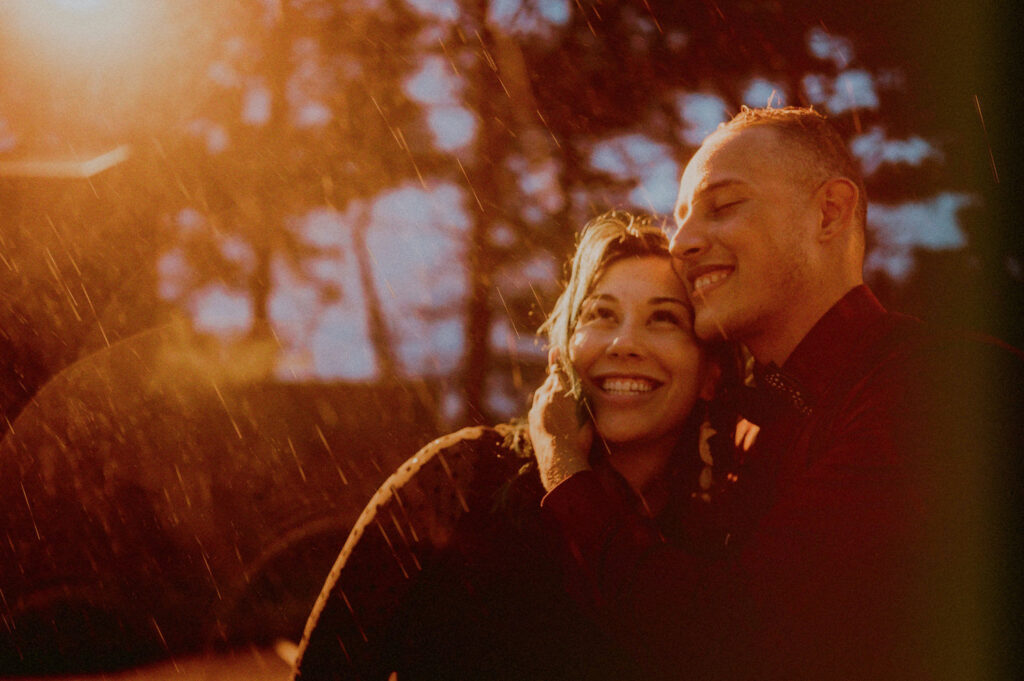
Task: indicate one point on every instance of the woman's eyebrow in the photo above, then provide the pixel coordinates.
(668, 299)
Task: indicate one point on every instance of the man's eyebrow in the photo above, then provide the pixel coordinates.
(719, 184)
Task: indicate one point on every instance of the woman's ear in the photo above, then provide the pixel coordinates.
(709, 382)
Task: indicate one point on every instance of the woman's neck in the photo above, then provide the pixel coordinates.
(640, 463)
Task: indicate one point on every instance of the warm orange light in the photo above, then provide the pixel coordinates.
(90, 32)
(74, 67)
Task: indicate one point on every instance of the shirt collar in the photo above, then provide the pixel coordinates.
(849, 328)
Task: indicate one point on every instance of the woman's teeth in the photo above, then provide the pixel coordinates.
(627, 385)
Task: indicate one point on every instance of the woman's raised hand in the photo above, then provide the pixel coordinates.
(561, 443)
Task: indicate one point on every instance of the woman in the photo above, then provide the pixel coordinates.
(623, 346)
(453, 571)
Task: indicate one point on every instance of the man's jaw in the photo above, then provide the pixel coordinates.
(703, 280)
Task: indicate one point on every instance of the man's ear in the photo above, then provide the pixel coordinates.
(838, 200)
(709, 382)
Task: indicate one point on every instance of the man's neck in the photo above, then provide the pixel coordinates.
(775, 345)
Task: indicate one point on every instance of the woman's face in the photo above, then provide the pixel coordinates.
(635, 352)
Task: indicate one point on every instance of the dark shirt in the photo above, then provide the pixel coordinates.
(858, 541)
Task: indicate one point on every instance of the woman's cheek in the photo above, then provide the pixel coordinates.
(580, 350)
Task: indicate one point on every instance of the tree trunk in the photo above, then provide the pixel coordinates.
(376, 324)
(481, 176)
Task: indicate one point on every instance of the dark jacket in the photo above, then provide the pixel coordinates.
(452, 572)
(866, 537)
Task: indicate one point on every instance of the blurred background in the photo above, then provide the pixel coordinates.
(255, 253)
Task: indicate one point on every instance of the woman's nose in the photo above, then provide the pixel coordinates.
(626, 343)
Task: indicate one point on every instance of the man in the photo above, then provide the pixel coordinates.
(864, 533)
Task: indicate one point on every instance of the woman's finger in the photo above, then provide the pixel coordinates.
(547, 388)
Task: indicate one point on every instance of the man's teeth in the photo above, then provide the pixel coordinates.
(627, 385)
(708, 279)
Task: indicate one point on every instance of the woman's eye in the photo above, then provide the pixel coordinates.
(598, 313)
(667, 317)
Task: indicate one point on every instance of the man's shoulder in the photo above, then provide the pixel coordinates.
(939, 385)
(937, 355)
(922, 349)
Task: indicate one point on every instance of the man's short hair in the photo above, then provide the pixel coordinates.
(818, 141)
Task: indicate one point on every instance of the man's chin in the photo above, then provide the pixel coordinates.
(709, 327)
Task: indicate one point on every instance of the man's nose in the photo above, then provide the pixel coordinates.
(689, 239)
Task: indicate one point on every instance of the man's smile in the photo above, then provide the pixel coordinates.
(706, 277)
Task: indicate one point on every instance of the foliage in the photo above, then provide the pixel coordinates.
(253, 115)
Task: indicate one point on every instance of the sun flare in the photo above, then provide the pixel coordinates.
(85, 31)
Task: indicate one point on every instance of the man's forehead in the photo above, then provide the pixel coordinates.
(735, 149)
(704, 174)
(728, 157)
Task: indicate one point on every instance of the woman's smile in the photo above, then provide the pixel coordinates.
(626, 385)
(635, 351)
